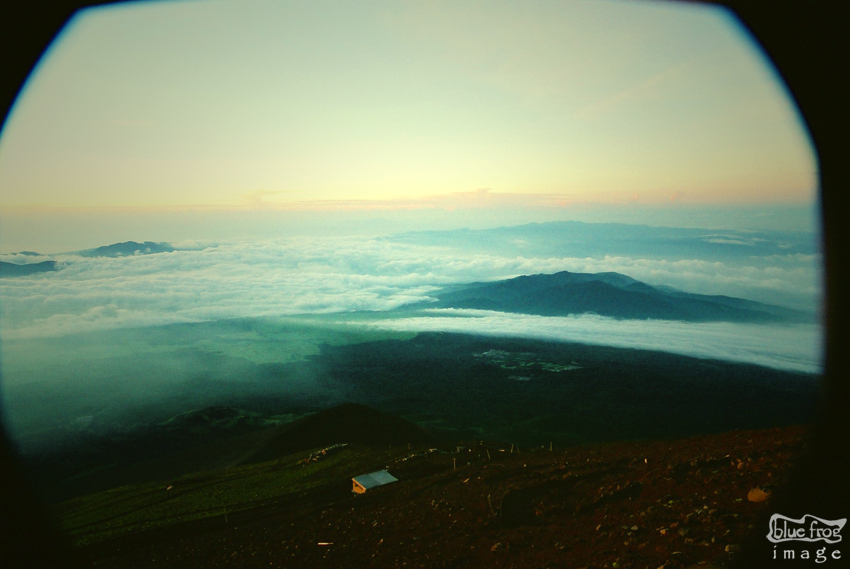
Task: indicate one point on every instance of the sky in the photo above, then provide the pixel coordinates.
(173, 111)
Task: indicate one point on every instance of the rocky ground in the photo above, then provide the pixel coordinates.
(660, 503)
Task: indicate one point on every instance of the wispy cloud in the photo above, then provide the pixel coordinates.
(728, 241)
(24, 258)
(651, 87)
(257, 199)
(480, 198)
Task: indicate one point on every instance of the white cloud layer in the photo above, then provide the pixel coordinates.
(325, 275)
(310, 275)
(794, 348)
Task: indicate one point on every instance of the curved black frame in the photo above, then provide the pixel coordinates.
(807, 42)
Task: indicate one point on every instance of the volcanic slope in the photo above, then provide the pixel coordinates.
(672, 503)
(346, 423)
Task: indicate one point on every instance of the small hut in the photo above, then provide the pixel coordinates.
(372, 480)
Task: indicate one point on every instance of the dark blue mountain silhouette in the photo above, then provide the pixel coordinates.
(607, 294)
(128, 248)
(15, 270)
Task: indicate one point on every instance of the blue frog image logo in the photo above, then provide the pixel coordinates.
(808, 528)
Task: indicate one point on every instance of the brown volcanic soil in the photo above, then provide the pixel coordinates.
(673, 503)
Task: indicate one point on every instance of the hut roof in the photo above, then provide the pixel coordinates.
(374, 479)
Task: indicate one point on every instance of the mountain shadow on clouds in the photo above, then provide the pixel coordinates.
(606, 294)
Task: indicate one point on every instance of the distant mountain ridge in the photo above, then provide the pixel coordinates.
(16, 270)
(607, 294)
(582, 239)
(128, 248)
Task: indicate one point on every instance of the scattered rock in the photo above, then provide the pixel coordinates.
(757, 495)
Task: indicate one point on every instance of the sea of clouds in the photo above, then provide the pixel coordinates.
(203, 282)
(301, 275)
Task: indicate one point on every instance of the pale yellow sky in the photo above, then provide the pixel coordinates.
(314, 104)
